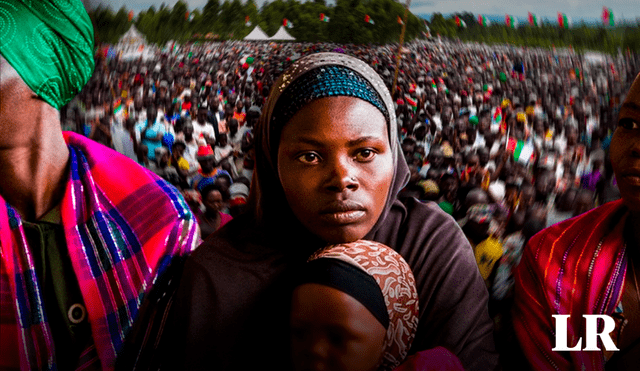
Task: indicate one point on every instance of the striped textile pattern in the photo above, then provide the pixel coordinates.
(575, 267)
(126, 229)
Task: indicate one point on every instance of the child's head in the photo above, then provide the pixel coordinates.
(355, 308)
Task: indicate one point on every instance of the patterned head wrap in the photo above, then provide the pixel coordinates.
(480, 213)
(50, 45)
(395, 283)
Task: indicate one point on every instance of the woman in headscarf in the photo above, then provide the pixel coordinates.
(588, 265)
(328, 169)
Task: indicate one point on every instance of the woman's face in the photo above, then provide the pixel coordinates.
(336, 167)
(331, 330)
(625, 149)
(213, 201)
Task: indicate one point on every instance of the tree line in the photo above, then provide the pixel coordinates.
(227, 20)
(580, 37)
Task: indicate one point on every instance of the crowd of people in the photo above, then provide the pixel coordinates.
(506, 140)
(302, 206)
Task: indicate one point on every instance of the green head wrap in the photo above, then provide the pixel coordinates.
(50, 44)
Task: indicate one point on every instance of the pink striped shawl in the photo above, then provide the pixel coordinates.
(575, 267)
(125, 228)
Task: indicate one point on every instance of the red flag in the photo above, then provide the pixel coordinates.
(186, 15)
(130, 15)
(457, 21)
(512, 143)
(400, 20)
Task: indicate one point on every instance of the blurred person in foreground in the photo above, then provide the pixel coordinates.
(89, 240)
(588, 265)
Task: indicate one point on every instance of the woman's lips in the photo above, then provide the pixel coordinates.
(631, 177)
(343, 212)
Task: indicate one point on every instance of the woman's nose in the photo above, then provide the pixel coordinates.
(342, 175)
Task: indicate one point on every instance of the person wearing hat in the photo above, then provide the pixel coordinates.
(84, 259)
(208, 166)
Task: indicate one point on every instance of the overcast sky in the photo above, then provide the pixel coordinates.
(576, 9)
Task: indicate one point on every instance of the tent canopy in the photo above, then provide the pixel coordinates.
(282, 34)
(132, 37)
(256, 35)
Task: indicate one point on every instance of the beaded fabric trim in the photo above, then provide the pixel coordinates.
(326, 81)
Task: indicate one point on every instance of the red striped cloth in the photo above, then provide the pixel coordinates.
(575, 267)
(125, 229)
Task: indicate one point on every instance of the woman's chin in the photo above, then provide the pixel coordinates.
(338, 235)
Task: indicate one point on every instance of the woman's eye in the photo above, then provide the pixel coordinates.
(309, 158)
(365, 155)
(629, 124)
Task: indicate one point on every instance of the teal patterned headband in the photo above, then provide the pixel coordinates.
(321, 82)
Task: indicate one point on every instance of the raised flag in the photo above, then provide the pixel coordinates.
(607, 17)
(460, 22)
(186, 16)
(368, 19)
(400, 20)
(483, 21)
(526, 154)
(510, 21)
(497, 116)
(130, 15)
(533, 20)
(287, 23)
(323, 18)
(512, 143)
(563, 20)
(412, 102)
(247, 21)
(117, 107)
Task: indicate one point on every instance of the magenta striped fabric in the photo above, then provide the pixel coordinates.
(126, 229)
(575, 267)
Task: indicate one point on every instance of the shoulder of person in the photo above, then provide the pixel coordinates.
(561, 236)
(428, 225)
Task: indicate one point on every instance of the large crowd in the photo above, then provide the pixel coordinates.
(521, 131)
(311, 206)
(506, 140)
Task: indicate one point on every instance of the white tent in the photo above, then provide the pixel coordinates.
(282, 34)
(257, 35)
(133, 45)
(132, 37)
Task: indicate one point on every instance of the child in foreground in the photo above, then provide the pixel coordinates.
(356, 308)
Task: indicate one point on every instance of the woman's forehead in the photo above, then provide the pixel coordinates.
(345, 118)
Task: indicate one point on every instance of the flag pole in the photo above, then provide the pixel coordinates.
(398, 56)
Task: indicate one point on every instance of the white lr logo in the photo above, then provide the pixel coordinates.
(591, 333)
